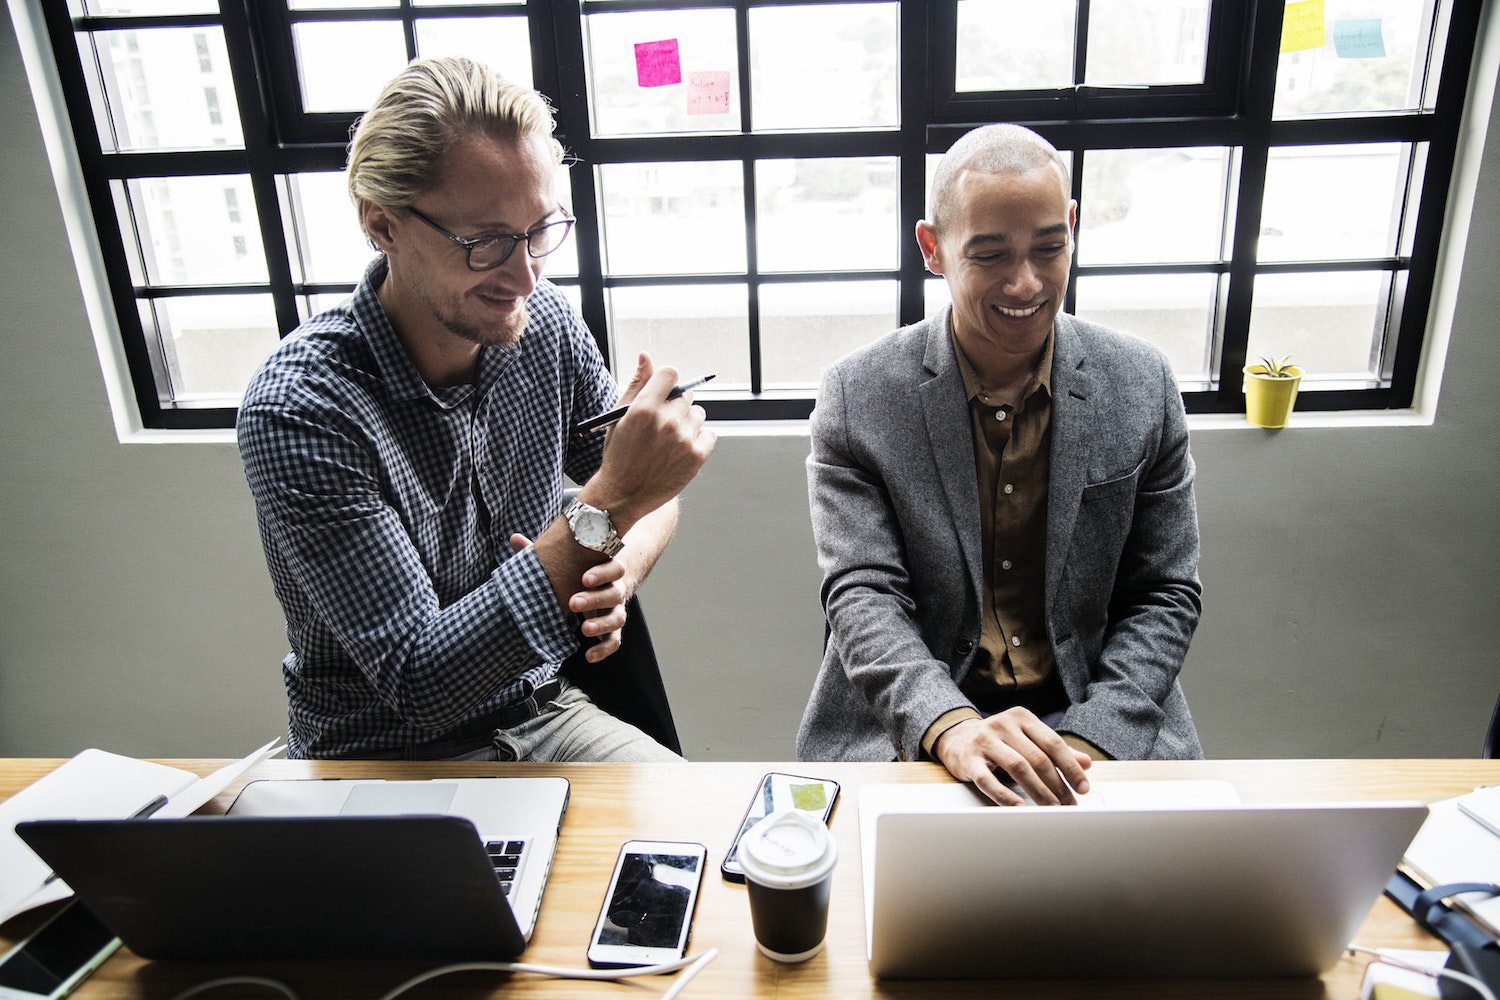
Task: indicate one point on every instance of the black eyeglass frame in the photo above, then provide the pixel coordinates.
(468, 245)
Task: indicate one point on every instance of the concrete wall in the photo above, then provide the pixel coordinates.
(1349, 573)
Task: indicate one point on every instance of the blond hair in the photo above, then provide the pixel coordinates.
(992, 149)
(398, 146)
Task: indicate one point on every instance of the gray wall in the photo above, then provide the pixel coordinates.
(1350, 574)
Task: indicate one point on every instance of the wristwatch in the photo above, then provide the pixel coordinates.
(592, 528)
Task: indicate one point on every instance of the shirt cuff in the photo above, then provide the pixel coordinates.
(1079, 743)
(526, 592)
(945, 722)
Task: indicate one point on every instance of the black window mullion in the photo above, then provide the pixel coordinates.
(916, 75)
(260, 139)
(752, 249)
(1080, 43)
(409, 29)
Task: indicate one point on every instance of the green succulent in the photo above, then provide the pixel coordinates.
(1277, 369)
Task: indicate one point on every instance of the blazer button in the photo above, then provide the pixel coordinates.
(963, 647)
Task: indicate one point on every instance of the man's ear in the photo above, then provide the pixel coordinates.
(379, 227)
(927, 241)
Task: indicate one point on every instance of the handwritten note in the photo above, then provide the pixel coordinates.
(1358, 38)
(708, 93)
(657, 64)
(1302, 26)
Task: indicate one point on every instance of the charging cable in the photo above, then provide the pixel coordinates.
(691, 966)
(1384, 955)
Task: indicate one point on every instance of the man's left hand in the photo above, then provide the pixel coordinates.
(607, 587)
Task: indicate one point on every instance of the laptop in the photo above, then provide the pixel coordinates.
(314, 869)
(1160, 882)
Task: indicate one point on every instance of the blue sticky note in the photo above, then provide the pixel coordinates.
(1358, 38)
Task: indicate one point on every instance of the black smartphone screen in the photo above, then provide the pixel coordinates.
(651, 901)
(55, 953)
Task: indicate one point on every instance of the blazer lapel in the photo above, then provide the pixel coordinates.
(949, 431)
(1072, 422)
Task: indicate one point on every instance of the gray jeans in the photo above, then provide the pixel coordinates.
(570, 728)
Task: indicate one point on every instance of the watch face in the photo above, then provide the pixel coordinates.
(591, 527)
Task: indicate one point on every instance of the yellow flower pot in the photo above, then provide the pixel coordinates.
(1269, 400)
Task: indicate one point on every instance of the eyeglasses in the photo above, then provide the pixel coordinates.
(484, 253)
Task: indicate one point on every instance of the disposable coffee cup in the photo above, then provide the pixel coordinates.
(788, 859)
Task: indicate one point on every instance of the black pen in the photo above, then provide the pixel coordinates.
(614, 416)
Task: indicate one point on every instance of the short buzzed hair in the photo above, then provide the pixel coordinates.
(399, 144)
(991, 149)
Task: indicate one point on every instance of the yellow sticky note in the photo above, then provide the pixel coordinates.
(809, 798)
(1302, 26)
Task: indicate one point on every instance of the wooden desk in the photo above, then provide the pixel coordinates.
(612, 803)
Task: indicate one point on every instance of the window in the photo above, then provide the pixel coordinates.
(1252, 179)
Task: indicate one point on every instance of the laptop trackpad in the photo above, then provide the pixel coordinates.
(399, 798)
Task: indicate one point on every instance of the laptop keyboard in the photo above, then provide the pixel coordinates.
(506, 857)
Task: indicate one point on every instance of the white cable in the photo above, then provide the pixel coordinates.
(1384, 955)
(693, 965)
(214, 984)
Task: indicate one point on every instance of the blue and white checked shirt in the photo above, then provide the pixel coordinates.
(385, 508)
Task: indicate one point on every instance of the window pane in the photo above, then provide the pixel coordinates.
(935, 295)
(164, 88)
(1173, 311)
(342, 65)
(1015, 46)
(574, 295)
(827, 214)
(212, 344)
(628, 92)
(1328, 323)
(673, 218)
(1332, 202)
(466, 3)
(563, 262)
(324, 237)
(501, 42)
(148, 8)
(805, 326)
(1370, 56)
(1146, 41)
(697, 329)
(832, 66)
(1152, 205)
(339, 4)
(188, 231)
(309, 306)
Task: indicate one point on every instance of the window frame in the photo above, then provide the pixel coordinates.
(1232, 108)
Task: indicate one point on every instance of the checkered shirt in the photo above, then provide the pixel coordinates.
(385, 508)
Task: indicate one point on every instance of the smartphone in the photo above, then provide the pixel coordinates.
(648, 910)
(814, 796)
(60, 955)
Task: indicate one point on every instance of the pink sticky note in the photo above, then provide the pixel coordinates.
(657, 63)
(708, 93)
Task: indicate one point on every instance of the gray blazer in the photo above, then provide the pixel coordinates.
(895, 511)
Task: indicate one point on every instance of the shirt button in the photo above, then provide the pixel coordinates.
(999, 414)
(1009, 489)
(1015, 640)
(1005, 564)
(963, 646)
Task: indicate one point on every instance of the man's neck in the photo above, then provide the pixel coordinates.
(1004, 375)
(441, 358)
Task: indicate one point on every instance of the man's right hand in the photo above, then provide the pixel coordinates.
(652, 453)
(1025, 748)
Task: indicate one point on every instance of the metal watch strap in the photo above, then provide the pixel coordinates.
(611, 544)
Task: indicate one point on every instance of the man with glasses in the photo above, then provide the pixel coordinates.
(1002, 498)
(406, 452)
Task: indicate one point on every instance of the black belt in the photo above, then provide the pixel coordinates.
(480, 732)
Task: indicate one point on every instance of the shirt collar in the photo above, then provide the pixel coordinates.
(397, 372)
(974, 386)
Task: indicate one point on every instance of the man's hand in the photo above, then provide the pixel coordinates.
(607, 587)
(653, 452)
(1017, 742)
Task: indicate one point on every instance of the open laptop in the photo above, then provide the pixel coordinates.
(1171, 883)
(307, 869)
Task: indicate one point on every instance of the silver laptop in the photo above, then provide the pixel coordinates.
(517, 818)
(1148, 887)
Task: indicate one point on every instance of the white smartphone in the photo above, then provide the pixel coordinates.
(648, 909)
(814, 796)
(60, 955)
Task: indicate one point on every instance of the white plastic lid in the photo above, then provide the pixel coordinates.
(788, 850)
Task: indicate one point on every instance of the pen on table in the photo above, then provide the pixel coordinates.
(612, 417)
(142, 813)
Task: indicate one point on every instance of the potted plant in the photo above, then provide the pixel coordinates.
(1270, 391)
